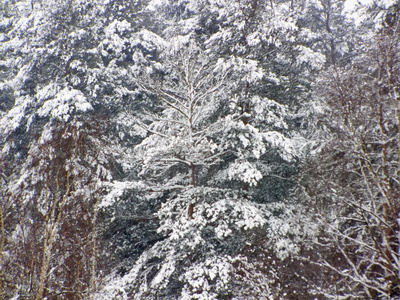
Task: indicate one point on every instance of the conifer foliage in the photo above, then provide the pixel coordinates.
(184, 149)
(203, 152)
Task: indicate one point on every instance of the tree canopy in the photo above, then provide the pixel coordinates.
(181, 149)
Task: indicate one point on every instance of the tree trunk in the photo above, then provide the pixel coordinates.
(191, 205)
(93, 258)
(2, 241)
(53, 223)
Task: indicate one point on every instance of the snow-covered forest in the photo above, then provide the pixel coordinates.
(199, 149)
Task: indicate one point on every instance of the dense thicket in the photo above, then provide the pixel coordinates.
(357, 189)
(199, 149)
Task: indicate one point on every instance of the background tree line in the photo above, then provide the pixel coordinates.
(199, 149)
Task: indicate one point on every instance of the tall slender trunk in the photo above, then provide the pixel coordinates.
(52, 226)
(327, 7)
(191, 205)
(2, 242)
(93, 258)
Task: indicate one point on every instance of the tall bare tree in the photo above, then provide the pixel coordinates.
(357, 191)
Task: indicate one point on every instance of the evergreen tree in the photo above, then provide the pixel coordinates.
(205, 154)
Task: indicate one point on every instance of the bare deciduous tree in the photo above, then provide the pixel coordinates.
(357, 191)
(49, 230)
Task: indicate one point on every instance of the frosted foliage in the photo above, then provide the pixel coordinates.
(65, 102)
(280, 231)
(371, 3)
(267, 112)
(245, 139)
(288, 226)
(261, 24)
(306, 55)
(165, 151)
(191, 92)
(166, 270)
(117, 37)
(12, 119)
(245, 172)
(22, 75)
(205, 155)
(206, 279)
(248, 68)
(282, 143)
(52, 101)
(116, 189)
(190, 5)
(150, 40)
(254, 39)
(117, 27)
(361, 12)
(226, 215)
(178, 43)
(154, 4)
